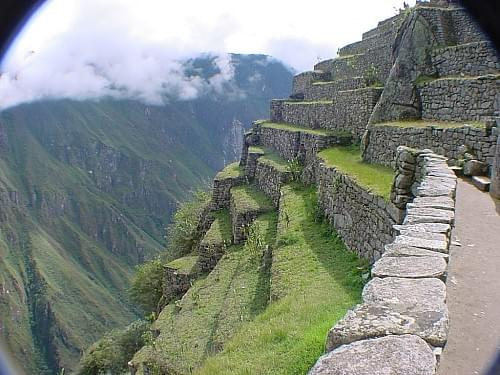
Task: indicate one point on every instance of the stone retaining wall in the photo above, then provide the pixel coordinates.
(308, 114)
(495, 176)
(383, 142)
(460, 99)
(403, 315)
(304, 80)
(361, 219)
(327, 90)
(352, 109)
(466, 28)
(295, 144)
(221, 191)
(175, 283)
(472, 59)
(270, 180)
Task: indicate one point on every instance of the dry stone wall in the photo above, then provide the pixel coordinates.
(362, 219)
(270, 180)
(460, 99)
(175, 283)
(308, 114)
(472, 59)
(327, 90)
(495, 178)
(403, 315)
(304, 80)
(384, 141)
(221, 191)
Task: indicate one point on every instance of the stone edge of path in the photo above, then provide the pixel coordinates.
(398, 303)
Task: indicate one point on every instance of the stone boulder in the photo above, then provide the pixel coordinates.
(394, 355)
(475, 168)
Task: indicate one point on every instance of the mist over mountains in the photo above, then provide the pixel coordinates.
(88, 183)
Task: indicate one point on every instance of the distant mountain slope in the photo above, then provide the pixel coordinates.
(86, 189)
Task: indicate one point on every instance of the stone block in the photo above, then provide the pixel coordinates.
(423, 243)
(395, 290)
(365, 321)
(475, 168)
(399, 250)
(410, 267)
(395, 355)
(482, 183)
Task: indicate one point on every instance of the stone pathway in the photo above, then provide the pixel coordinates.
(473, 284)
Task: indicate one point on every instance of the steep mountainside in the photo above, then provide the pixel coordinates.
(86, 189)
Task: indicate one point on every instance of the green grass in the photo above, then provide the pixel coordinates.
(220, 231)
(256, 150)
(185, 264)
(374, 177)
(431, 124)
(248, 198)
(232, 170)
(215, 307)
(275, 161)
(315, 279)
(302, 129)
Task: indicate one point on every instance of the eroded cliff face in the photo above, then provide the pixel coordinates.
(86, 190)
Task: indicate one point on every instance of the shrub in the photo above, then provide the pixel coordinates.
(111, 353)
(146, 287)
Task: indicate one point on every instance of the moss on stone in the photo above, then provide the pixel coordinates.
(296, 128)
(232, 170)
(374, 177)
(248, 198)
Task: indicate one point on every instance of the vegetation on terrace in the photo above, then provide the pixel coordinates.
(302, 129)
(185, 264)
(374, 177)
(220, 230)
(275, 161)
(314, 280)
(232, 170)
(248, 198)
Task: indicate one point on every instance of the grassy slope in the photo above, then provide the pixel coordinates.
(213, 309)
(376, 178)
(314, 280)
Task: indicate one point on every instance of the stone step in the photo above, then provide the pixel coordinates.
(459, 171)
(459, 98)
(482, 182)
(247, 202)
(470, 59)
(215, 241)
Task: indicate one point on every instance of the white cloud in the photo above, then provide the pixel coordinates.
(128, 48)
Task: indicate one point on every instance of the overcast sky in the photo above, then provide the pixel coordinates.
(89, 48)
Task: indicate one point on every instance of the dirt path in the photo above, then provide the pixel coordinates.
(473, 284)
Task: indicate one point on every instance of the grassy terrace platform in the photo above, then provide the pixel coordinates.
(275, 161)
(431, 124)
(220, 231)
(248, 198)
(314, 280)
(376, 178)
(186, 265)
(232, 170)
(256, 150)
(302, 129)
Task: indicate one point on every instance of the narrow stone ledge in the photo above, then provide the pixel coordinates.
(399, 250)
(435, 191)
(394, 355)
(441, 246)
(365, 321)
(410, 267)
(395, 290)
